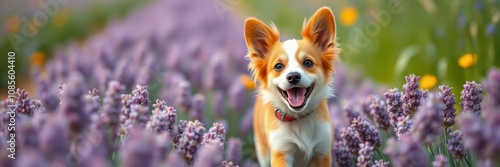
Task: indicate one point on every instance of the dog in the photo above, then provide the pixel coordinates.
(292, 124)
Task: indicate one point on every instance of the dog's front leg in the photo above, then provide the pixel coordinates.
(279, 159)
(322, 160)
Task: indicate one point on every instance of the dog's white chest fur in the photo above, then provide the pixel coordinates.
(302, 138)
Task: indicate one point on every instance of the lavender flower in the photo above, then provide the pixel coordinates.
(471, 97)
(137, 149)
(342, 155)
(440, 161)
(349, 112)
(379, 113)
(163, 118)
(366, 132)
(228, 164)
(140, 96)
(428, 120)
(246, 123)
(190, 140)
(406, 152)
(403, 126)
(112, 105)
(138, 117)
(412, 95)
(380, 163)
(197, 107)
(237, 96)
(449, 100)
(53, 138)
(73, 105)
(233, 151)
(216, 134)
(184, 94)
(350, 141)
(219, 103)
(365, 155)
(24, 104)
(473, 133)
(394, 105)
(492, 85)
(210, 156)
(456, 144)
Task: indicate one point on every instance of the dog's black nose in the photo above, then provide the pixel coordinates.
(293, 77)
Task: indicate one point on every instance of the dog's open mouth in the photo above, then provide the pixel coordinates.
(297, 96)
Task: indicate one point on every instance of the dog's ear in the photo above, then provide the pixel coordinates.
(259, 37)
(320, 29)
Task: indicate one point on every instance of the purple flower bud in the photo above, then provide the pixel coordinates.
(350, 141)
(140, 96)
(406, 152)
(237, 93)
(412, 95)
(403, 126)
(137, 148)
(228, 164)
(349, 112)
(471, 97)
(394, 105)
(233, 151)
(473, 133)
(215, 78)
(440, 161)
(190, 140)
(53, 138)
(342, 155)
(139, 116)
(456, 144)
(184, 94)
(163, 118)
(163, 146)
(72, 106)
(379, 113)
(380, 163)
(25, 105)
(365, 104)
(215, 135)
(210, 156)
(491, 29)
(492, 85)
(428, 120)
(246, 124)
(365, 155)
(197, 107)
(219, 105)
(448, 100)
(112, 105)
(366, 132)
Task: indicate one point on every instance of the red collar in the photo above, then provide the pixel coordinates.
(284, 117)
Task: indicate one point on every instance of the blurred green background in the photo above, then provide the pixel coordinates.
(446, 42)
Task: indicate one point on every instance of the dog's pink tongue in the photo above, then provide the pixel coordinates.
(296, 96)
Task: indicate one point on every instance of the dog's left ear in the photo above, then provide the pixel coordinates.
(320, 29)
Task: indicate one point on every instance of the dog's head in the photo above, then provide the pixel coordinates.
(294, 75)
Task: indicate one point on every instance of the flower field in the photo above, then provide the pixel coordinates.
(168, 85)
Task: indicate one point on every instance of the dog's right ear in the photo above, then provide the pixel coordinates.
(259, 38)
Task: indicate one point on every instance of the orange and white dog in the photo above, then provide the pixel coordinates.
(291, 119)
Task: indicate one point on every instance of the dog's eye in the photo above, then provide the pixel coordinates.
(308, 63)
(278, 67)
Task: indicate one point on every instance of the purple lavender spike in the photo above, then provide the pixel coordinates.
(380, 163)
(492, 86)
(428, 120)
(473, 132)
(448, 99)
(394, 105)
(403, 126)
(471, 97)
(350, 141)
(219, 105)
(412, 95)
(349, 112)
(197, 109)
(137, 148)
(365, 155)
(379, 113)
(237, 97)
(366, 132)
(233, 151)
(456, 144)
(440, 161)
(342, 155)
(406, 152)
(210, 156)
(190, 140)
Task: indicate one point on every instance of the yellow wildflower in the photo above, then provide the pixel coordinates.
(467, 60)
(428, 81)
(348, 16)
(247, 81)
(13, 23)
(38, 59)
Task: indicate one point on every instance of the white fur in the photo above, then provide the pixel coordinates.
(302, 139)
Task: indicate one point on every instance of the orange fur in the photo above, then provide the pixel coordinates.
(265, 51)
